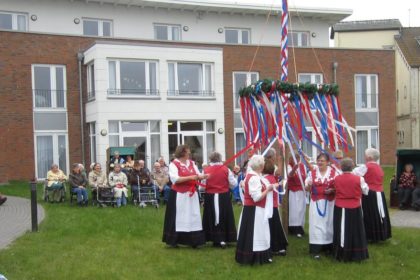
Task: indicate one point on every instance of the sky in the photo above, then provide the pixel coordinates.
(407, 11)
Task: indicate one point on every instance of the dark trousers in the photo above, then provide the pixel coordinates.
(404, 195)
(416, 197)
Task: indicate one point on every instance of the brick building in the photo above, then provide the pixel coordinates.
(158, 90)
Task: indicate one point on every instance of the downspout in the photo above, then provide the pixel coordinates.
(80, 57)
(335, 65)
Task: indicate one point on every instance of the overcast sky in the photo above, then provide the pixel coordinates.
(362, 9)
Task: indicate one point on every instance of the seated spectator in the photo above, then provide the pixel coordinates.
(78, 183)
(55, 185)
(97, 179)
(160, 180)
(129, 164)
(163, 166)
(2, 199)
(406, 185)
(116, 159)
(118, 181)
(134, 180)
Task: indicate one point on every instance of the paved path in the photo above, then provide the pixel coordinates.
(15, 219)
(407, 218)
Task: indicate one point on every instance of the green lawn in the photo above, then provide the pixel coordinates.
(125, 243)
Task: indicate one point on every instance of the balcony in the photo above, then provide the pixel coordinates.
(191, 94)
(134, 93)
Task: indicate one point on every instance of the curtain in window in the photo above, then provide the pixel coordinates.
(62, 152)
(44, 154)
(362, 145)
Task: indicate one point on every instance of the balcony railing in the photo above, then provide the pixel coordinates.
(44, 98)
(191, 93)
(133, 92)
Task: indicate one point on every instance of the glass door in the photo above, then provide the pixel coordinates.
(195, 142)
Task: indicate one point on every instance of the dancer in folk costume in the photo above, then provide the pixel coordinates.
(320, 182)
(182, 217)
(278, 240)
(253, 245)
(218, 220)
(375, 211)
(350, 243)
(297, 196)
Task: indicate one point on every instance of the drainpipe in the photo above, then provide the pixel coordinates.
(335, 65)
(80, 57)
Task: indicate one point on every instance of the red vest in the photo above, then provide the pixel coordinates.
(218, 181)
(184, 171)
(272, 179)
(293, 182)
(374, 177)
(248, 201)
(348, 191)
(319, 186)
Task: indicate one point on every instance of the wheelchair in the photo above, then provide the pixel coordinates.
(47, 191)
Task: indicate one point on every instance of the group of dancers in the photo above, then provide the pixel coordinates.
(347, 207)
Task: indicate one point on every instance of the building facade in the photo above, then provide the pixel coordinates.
(71, 90)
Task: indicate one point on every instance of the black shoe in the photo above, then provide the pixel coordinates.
(80, 204)
(282, 253)
(3, 200)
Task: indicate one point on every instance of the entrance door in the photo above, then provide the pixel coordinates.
(195, 141)
(140, 142)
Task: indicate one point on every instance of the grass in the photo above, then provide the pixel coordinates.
(125, 243)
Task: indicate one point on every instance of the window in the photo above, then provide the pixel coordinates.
(366, 88)
(142, 134)
(190, 79)
(307, 147)
(133, 78)
(200, 136)
(97, 27)
(92, 137)
(50, 148)
(366, 138)
(241, 80)
(298, 39)
(13, 21)
(313, 78)
(167, 32)
(237, 36)
(49, 86)
(91, 81)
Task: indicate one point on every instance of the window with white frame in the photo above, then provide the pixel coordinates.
(298, 39)
(366, 137)
(91, 81)
(142, 134)
(307, 147)
(50, 147)
(190, 79)
(13, 21)
(133, 78)
(97, 27)
(313, 78)
(366, 91)
(49, 86)
(92, 138)
(241, 80)
(200, 136)
(167, 32)
(237, 36)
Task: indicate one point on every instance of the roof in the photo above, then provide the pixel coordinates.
(331, 15)
(366, 25)
(409, 43)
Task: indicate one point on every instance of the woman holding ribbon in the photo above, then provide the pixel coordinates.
(218, 220)
(320, 182)
(375, 212)
(253, 245)
(182, 217)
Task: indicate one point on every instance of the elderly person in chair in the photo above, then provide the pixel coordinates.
(78, 183)
(160, 180)
(118, 181)
(55, 179)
